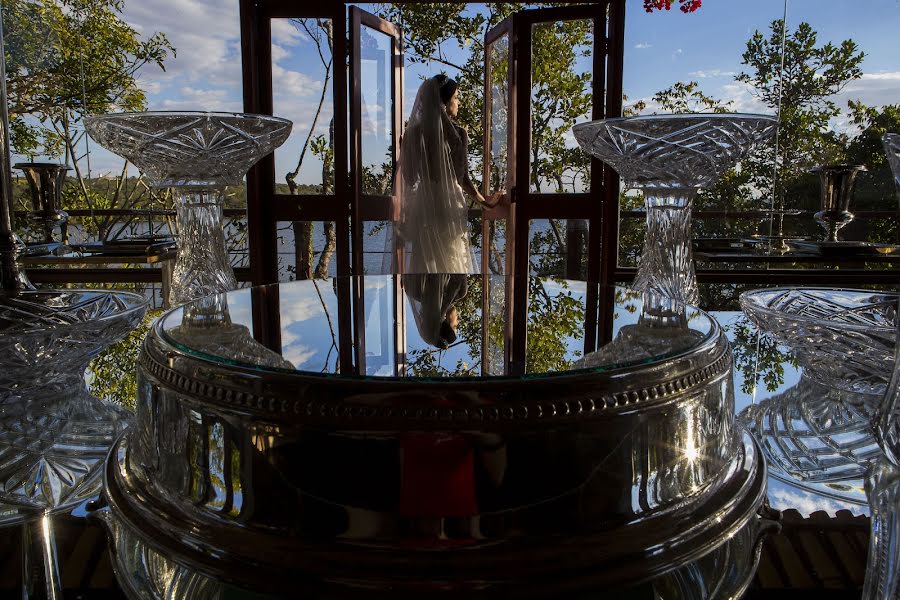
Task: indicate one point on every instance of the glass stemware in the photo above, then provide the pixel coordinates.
(670, 158)
(198, 154)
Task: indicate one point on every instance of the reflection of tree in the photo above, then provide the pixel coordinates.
(115, 369)
(554, 319)
(757, 356)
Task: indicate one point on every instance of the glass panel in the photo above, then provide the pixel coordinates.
(561, 96)
(376, 87)
(302, 71)
(378, 247)
(499, 130)
(306, 249)
(559, 247)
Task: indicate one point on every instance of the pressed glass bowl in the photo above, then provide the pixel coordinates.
(842, 338)
(53, 433)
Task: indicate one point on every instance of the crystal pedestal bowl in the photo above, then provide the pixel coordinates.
(841, 338)
(670, 158)
(315, 456)
(53, 434)
(197, 154)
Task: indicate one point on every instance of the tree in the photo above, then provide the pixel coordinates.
(812, 74)
(66, 59)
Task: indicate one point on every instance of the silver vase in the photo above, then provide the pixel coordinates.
(45, 181)
(837, 183)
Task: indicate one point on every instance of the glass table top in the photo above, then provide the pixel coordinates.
(432, 326)
(769, 388)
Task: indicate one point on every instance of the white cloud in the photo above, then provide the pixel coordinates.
(190, 98)
(704, 74)
(294, 84)
(741, 94)
(205, 34)
(874, 89)
(643, 45)
(678, 52)
(286, 33)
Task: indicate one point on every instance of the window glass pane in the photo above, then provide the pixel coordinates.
(302, 72)
(306, 249)
(561, 75)
(376, 86)
(499, 115)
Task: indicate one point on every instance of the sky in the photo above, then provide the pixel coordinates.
(660, 50)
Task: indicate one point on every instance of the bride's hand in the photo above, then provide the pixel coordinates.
(491, 201)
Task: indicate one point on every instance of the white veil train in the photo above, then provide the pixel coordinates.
(431, 209)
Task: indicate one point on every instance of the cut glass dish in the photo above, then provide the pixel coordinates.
(841, 338)
(670, 158)
(53, 434)
(198, 154)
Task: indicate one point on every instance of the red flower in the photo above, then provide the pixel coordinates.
(687, 6)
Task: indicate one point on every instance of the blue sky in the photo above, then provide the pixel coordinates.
(660, 49)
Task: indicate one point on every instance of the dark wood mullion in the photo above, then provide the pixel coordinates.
(342, 187)
(520, 210)
(256, 62)
(603, 244)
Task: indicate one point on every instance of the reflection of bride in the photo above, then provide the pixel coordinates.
(433, 228)
(432, 297)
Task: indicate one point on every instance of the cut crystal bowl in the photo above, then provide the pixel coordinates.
(842, 338)
(53, 434)
(190, 149)
(674, 151)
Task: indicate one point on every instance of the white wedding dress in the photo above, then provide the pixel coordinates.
(432, 226)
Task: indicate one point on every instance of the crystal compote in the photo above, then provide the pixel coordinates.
(198, 154)
(53, 434)
(670, 158)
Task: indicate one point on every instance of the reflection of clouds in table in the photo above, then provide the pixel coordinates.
(784, 496)
(298, 354)
(302, 303)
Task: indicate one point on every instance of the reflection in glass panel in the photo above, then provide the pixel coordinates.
(306, 249)
(378, 247)
(560, 97)
(310, 326)
(302, 70)
(496, 247)
(376, 85)
(499, 91)
(559, 247)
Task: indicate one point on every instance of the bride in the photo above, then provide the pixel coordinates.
(432, 225)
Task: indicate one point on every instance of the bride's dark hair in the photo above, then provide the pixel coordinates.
(448, 87)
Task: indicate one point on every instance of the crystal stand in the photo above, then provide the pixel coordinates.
(670, 158)
(198, 154)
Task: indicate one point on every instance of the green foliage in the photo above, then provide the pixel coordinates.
(114, 371)
(68, 58)
(758, 357)
(686, 97)
(812, 74)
